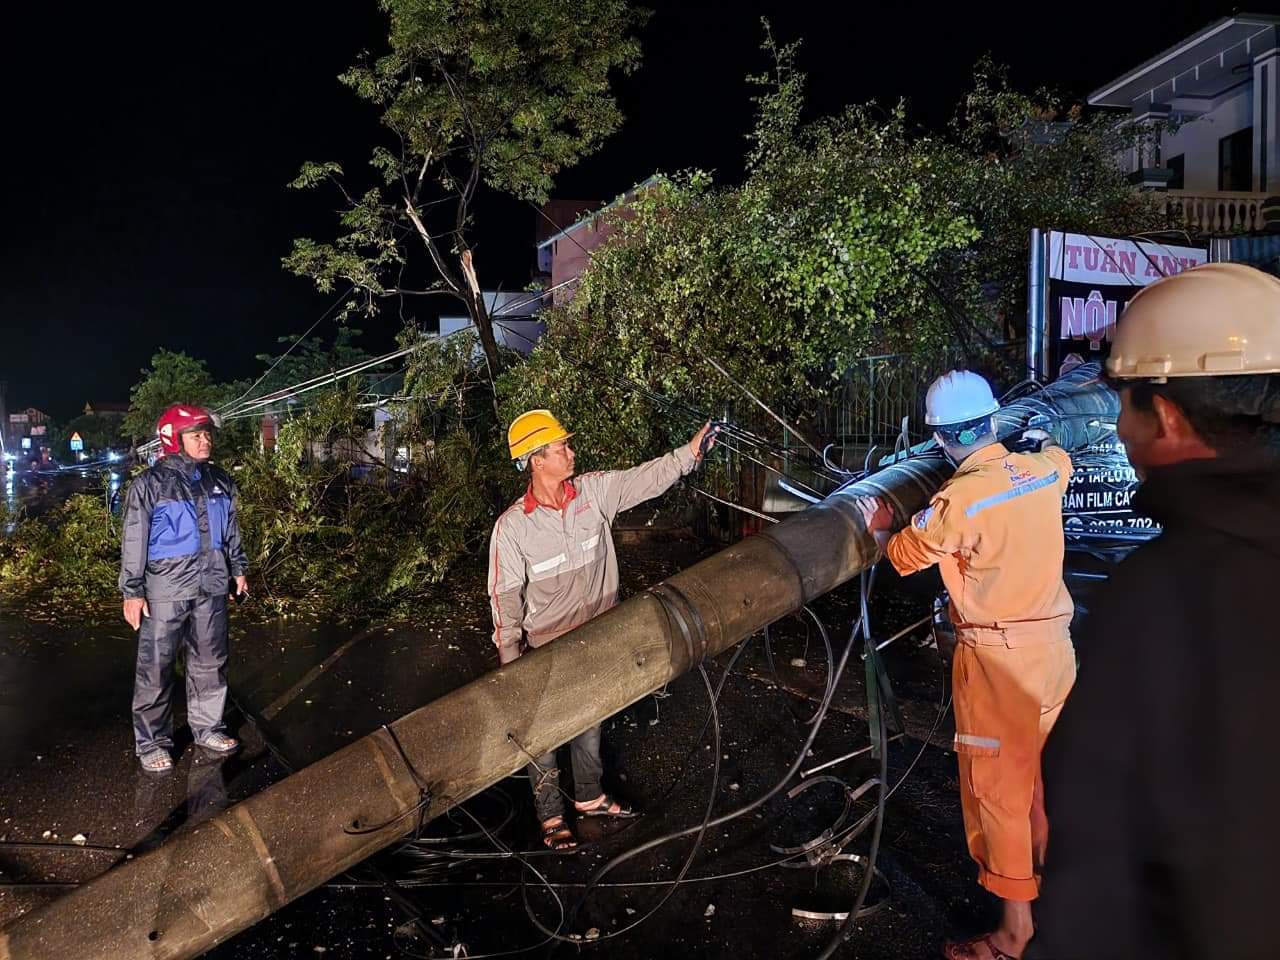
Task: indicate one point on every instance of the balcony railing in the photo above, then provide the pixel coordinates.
(1216, 214)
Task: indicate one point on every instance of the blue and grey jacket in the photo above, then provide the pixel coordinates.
(181, 540)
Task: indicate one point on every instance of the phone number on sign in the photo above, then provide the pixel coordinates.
(1121, 523)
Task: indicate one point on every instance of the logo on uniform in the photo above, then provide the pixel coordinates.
(922, 518)
(1018, 477)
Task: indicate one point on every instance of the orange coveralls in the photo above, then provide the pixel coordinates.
(995, 531)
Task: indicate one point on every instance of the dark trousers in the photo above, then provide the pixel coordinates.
(202, 626)
(584, 754)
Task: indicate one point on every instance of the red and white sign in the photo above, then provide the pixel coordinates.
(1078, 258)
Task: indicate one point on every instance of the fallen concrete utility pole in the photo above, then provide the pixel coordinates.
(202, 886)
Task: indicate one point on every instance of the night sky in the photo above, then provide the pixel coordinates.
(146, 151)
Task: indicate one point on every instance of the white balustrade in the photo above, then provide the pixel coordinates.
(1216, 214)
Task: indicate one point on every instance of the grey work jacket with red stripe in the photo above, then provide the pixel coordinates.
(551, 570)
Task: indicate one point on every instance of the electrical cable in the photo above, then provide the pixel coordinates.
(507, 851)
(713, 718)
(728, 429)
(944, 704)
(701, 832)
(664, 795)
(280, 359)
(827, 686)
(702, 732)
(736, 506)
(754, 804)
(843, 837)
(846, 928)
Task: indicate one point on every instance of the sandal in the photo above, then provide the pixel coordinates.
(606, 806)
(556, 834)
(157, 761)
(963, 949)
(219, 743)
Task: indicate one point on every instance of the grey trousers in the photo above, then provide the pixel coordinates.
(202, 626)
(584, 754)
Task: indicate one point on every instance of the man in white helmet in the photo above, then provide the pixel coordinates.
(995, 532)
(1162, 775)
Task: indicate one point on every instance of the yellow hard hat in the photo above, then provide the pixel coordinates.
(534, 430)
(1214, 320)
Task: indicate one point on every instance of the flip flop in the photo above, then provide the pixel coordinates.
(219, 743)
(604, 807)
(963, 949)
(556, 835)
(157, 761)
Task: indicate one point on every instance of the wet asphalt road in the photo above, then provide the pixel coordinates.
(67, 768)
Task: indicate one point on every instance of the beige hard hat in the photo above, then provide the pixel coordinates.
(1214, 320)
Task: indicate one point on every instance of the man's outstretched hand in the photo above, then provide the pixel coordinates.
(695, 445)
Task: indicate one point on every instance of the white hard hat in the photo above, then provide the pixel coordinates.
(1218, 319)
(958, 396)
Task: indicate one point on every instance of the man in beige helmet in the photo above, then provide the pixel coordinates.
(1161, 778)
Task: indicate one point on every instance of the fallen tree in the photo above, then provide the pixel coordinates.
(201, 887)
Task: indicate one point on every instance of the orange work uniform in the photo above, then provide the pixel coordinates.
(995, 531)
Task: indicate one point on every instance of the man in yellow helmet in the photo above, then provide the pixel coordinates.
(1161, 774)
(552, 567)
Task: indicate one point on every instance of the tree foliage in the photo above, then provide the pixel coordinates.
(813, 261)
(63, 564)
(1024, 160)
(339, 539)
(503, 93)
(851, 235)
(171, 378)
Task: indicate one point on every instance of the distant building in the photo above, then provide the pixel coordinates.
(107, 409)
(27, 434)
(554, 216)
(563, 255)
(1212, 104)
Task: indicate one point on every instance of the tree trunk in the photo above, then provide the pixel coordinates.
(484, 327)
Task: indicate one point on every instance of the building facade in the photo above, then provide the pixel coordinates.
(563, 255)
(1209, 109)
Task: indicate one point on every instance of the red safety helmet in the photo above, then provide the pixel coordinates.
(179, 419)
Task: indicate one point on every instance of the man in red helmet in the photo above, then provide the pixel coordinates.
(180, 551)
